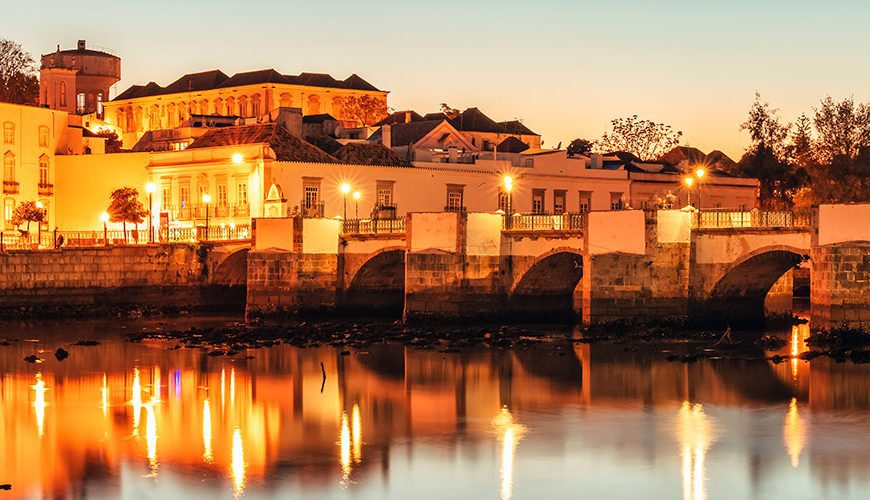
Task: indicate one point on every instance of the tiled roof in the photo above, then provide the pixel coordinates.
(287, 147)
(318, 118)
(369, 153)
(213, 79)
(404, 134)
(516, 127)
(473, 120)
(403, 117)
(680, 153)
(325, 143)
(512, 145)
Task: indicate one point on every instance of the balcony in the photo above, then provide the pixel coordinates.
(241, 210)
(373, 226)
(46, 189)
(384, 212)
(312, 210)
(11, 187)
(454, 208)
(545, 222)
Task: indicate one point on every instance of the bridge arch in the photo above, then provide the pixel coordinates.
(377, 286)
(737, 295)
(548, 290)
(232, 270)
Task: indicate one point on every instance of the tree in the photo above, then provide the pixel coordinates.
(113, 143)
(580, 146)
(28, 212)
(645, 139)
(364, 110)
(125, 207)
(448, 111)
(18, 82)
(843, 129)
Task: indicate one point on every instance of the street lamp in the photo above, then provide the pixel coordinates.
(39, 206)
(105, 218)
(150, 188)
(356, 196)
(700, 173)
(508, 186)
(206, 199)
(238, 158)
(689, 181)
(345, 189)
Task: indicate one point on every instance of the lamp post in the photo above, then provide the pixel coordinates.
(206, 199)
(508, 186)
(345, 189)
(39, 206)
(356, 196)
(688, 181)
(700, 173)
(105, 218)
(150, 188)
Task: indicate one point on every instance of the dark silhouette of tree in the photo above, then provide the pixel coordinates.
(125, 207)
(113, 143)
(364, 110)
(448, 111)
(580, 146)
(18, 82)
(645, 139)
(843, 128)
(27, 212)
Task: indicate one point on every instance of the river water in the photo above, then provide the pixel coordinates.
(141, 420)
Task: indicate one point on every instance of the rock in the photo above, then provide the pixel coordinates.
(808, 355)
(777, 359)
(344, 353)
(88, 343)
(5, 487)
(61, 354)
(32, 359)
(769, 342)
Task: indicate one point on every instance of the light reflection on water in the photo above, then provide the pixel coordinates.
(399, 423)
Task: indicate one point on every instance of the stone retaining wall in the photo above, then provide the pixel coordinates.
(840, 285)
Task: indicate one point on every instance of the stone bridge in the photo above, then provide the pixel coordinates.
(599, 267)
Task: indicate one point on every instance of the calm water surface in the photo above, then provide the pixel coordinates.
(126, 420)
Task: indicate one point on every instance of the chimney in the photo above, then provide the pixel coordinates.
(290, 119)
(597, 160)
(387, 136)
(81, 45)
(407, 117)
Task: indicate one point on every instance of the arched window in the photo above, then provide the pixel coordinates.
(137, 117)
(338, 107)
(43, 136)
(44, 178)
(243, 106)
(182, 113)
(62, 94)
(218, 106)
(9, 167)
(170, 115)
(154, 118)
(286, 100)
(255, 105)
(231, 110)
(203, 107)
(313, 105)
(8, 133)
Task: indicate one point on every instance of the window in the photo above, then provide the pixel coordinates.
(616, 201)
(9, 167)
(313, 105)
(62, 94)
(154, 118)
(43, 171)
(222, 199)
(218, 106)
(8, 133)
(43, 137)
(243, 106)
(585, 201)
(184, 196)
(312, 194)
(100, 105)
(242, 193)
(559, 202)
(166, 197)
(81, 102)
(255, 105)
(538, 201)
(385, 193)
(454, 197)
(503, 200)
(286, 100)
(230, 103)
(8, 210)
(203, 107)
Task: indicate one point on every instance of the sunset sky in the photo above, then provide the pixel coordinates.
(564, 67)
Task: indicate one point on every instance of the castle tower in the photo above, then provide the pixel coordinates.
(77, 80)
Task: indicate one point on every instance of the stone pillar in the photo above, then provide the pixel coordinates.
(779, 299)
(643, 283)
(840, 286)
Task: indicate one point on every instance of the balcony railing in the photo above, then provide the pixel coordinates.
(545, 222)
(10, 187)
(20, 240)
(46, 189)
(725, 219)
(374, 226)
(312, 210)
(192, 212)
(454, 208)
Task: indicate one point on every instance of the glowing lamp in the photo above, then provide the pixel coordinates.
(150, 187)
(356, 195)
(689, 181)
(508, 183)
(39, 205)
(700, 173)
(104, 217)
(238, 158)
(345, 188)
(206, 198)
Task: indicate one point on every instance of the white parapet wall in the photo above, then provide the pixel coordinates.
(274, 234)
(674, 226)
(617, 232)
(320, 236)
(434, 232)
(844, 223)
(483, 233)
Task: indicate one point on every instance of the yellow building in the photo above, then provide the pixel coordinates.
(252, 96)
(31, 138)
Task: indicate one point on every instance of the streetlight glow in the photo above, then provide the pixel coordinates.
(345, 188)
(206, 198)
(689, 181)
(150, 187)
(39, 205)
(700, 173)
(356, 195)
(104, 217)
(508, 183)
(238, 158)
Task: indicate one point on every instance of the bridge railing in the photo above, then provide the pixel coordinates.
(725, 219)
(545, 222)
(16, 240)
(374, 226)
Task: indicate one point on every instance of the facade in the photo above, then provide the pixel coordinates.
(250, 96)
(31, 139)
(78, 80)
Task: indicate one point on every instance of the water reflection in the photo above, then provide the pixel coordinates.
(408, 423)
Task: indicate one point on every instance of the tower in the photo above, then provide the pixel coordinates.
(77, 80)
